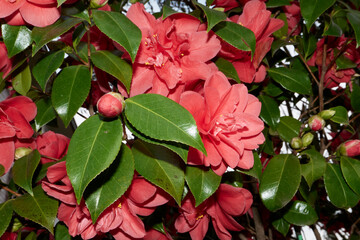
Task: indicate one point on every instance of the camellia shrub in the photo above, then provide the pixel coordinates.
(224, 119)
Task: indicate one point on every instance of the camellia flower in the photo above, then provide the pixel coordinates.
(350, 148)
(52, 145)
(39, 13)
(293, 17)
(230, 4)
(5, 62)
(15, 115)
(172, 52)
(227, 119)
(111, 105)
(257, 19)
(316, 123)
(227, 202)
(120, 218)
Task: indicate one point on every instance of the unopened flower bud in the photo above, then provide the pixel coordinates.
(21, 152)
(98, 3)
(350, 148)
(316, 123)
(296, 143)
(327, 114)
(111, 105)
(307, 139)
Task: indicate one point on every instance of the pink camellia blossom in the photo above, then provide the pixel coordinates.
(119, 219)
(227, 119)
(293, 17)
(52, 145)
(5, 62)
(350, 148)
(226, 203)
(316, 123)
(39, 13)
(257, 19)
(15, 115)
(333, 76)
(111, 105)
(172, 52)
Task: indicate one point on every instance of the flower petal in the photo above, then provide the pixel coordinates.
(39, 15)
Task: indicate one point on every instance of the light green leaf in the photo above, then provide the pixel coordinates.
(213, 16)
(351, 171)
(288, 128)
(292, 79)
(60, 2)
(45, 113)
(227, 68)
(311, 10)
(315, 168)
(93, 147)
(270, 112)
(301, 214)
(16, 38)
(343, 62)
(332, 29)
(22, 81)
(5, 216)
(341, 115)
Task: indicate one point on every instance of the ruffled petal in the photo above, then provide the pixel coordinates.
(7, 150)
(39, 15)
(7, 8)
(23, 104)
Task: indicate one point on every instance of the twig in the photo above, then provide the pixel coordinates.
(11, 191)
(55, 159)
(308, 68)
(353, 226)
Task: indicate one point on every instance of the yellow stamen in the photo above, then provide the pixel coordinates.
(200, 217)
(119, 206)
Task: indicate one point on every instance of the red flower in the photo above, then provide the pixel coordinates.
(293, 17)
(230, 4)
(15, 114)
(5, 62)
(228, 122)
(120, 218)
(228, 201)
(172, 52)
(350, 148)
(257, 19)
(39, 13)
(53, 145)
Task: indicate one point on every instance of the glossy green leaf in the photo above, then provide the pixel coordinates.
(5, 216)
(309, 44)
(178, 148)
(282, 32)
(277, 3)
(202, 182)
(280, 181)
(354, 18)
(60, 2)
(273, 90)
(31, 236)
(167, 11)
(38, 208)
(340, 194)
(311, 10)
(46, 67)
(120, 29)
(315, 168)
(301, 214)
(113, 65)
(227, 68)
(288, 128)
(256, 170)
(293, 80)
(161, 167)
(24, 169)
(341, 115)
(111, 184)
(70, 89)
(332, 29)
(22, 81)
(236, 35)
(62, 232)
(355, 97)
(41, 172)
(351, 171)
(16, 38)
(42, 36)
(343, 62)
(281, 225)
(45, 113)
(159, 117)
(270, 112)
(93, 147)
(233, 178)
(213, 16)
(310, 195)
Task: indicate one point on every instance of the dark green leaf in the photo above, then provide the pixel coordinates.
(277, 3)
(47, 66)
(282, 226)
(202, 182)
(22, 81)
(280, 181)
(111, 184)
(70, 89)
(38, 208)
(45, 113)
(332, 29)
(301, 214)
(159, 117)
(31, 236)
(236, 35)
(256, 170)
(120, 29)
(310, 195)
(213, 16)
(227, 68)
(292, 79)
(93, 147)
(178, 148)
(311, 10)
(343, 62)
(355, 97)
(62, 232)
(42, 170)
(270, 112)
(233, 178)
(161, 167)
(341, 115)
(309, 44)
(167, 11)
(16, 38)
(24, 169)
(42, 36)
(288, 128)
(5, 216)
(337, 189)
(315, 168)
(282, 32)
(113, 65)
(354, 18)
(273, 90)
(351, 171)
